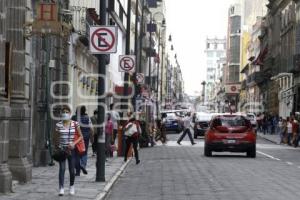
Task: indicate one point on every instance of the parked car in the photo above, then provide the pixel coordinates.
(173, 121)
(232, 133)
(201, 124)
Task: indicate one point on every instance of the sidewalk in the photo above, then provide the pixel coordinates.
(272, 138)
(44, 184)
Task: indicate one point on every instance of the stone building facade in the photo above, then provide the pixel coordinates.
(14, 94)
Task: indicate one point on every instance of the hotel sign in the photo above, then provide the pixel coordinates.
(47, 19)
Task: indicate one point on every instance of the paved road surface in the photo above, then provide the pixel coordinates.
(182, 172)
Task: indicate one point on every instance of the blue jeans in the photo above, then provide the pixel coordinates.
(62, 169)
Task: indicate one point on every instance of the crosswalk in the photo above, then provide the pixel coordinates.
(200, 144)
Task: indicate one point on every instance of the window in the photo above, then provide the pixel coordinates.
(210, 54)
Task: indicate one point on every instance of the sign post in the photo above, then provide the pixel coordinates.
(103, 40)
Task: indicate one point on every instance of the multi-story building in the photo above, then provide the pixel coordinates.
(15, 77)
(215, 49)
(232, 69)
(251, 48)
(280, 60)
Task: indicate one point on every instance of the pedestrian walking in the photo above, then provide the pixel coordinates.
(161, 129)
(64, 140)
(108, 136)
(283, 131)
(132, 130)
(295, 127)
(289, 131)
(115, 118)
(186, 126)
(87, 131)
(265, 124)
(94, 137)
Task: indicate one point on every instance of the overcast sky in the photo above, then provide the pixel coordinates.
(190, 22)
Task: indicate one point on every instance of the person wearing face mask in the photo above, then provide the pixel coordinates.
(64, 133)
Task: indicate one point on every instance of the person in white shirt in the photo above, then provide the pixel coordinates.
(115, 117)
(186, 126)
(132, 130)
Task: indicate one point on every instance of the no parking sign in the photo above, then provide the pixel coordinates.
(127, 63)
(103, 39)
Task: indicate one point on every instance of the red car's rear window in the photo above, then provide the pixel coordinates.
(231, 122)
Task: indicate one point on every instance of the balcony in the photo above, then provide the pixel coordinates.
(254, 79)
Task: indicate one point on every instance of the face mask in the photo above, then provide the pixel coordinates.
(65, 116)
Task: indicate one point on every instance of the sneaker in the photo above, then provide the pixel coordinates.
(61, 192)
(72, 190)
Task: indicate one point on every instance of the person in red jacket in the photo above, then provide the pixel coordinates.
(295, 127)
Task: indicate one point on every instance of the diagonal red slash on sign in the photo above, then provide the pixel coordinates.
(97, 34)
(103, 39)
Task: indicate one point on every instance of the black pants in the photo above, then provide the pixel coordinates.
(134, 142)
(94, 145)
(186, 131)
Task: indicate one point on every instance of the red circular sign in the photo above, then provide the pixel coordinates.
(97, 34)
(127, 63)
(233, 88)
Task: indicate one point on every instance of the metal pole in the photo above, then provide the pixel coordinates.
(141, 38)
(136, 53)
(127, 52)
(100, 163)
(157, 83)
(162, 74)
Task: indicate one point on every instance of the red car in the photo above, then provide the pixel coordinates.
(233, 133)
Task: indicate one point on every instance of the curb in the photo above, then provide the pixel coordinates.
(275, 142)
(112, 181)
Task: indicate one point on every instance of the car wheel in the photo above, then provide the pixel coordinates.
(207, 152)
(252, 152)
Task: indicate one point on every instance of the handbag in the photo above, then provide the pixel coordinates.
(60, 155)
(80, 146)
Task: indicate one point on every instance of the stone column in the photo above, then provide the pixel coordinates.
(5, 175)
(20, 113)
